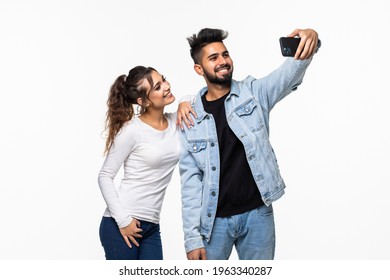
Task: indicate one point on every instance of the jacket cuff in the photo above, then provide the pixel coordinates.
(194, 243)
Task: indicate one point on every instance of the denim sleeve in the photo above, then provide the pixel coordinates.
(191, 193)
(279, 83)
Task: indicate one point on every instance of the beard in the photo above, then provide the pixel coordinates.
(224, 80)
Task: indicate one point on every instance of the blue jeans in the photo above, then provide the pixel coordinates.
(115, 247)
(252, 233)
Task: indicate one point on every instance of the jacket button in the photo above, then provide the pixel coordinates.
(213, 193)
(209, 215)
(213, 168)
(212, 144)
(207, 117)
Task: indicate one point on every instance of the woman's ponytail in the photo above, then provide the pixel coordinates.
(120, 110)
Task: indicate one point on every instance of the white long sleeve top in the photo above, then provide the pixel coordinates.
(149, 157)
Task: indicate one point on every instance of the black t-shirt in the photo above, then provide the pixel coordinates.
(238, 192)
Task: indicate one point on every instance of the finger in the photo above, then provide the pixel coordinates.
(181, 117)
(185, 120)
(300, 49)
(134, 241)
(294, 33)
(308, 50)
(203, 255)
(189, 119)
(303, 54)
(192, 256)
(311, 49)
(127, 241)
(179, 123)
(192, 111)
(138, 223)
(192, 116)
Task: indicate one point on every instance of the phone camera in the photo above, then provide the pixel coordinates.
(287, 51)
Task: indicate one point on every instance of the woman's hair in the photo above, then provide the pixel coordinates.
(123, 94)
(205, 36)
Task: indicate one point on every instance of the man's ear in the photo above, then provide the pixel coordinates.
(198, 69)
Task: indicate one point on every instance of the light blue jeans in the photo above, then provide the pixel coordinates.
(252, 233)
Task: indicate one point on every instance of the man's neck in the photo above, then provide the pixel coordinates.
(215, 91)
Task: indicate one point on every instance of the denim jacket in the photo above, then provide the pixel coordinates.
(247, 106)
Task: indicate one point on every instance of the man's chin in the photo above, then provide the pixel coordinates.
(225, 79)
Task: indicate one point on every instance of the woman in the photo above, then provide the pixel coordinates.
(147, 145)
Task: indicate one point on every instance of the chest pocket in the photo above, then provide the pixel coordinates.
(196, 147)
(250, 115)
(246, 109)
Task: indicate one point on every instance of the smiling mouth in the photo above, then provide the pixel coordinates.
(168, 94)
(223, 69)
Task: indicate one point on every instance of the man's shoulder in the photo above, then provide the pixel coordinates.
(242, 85)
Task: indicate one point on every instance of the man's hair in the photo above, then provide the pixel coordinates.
(204, 37)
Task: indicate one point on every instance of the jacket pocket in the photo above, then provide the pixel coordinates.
(196, 146)
(250, 115)
(246, 108)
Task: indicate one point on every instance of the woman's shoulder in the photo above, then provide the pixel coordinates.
(171, 117)
(129, 128)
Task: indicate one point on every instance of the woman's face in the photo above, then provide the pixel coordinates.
(160, 95)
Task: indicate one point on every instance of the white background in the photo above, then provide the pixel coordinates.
(59, 58)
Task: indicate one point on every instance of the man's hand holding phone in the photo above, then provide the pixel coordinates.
(300, 44)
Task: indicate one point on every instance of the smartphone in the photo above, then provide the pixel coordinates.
(289, 45)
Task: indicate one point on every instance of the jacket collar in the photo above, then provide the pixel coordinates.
(198, 105)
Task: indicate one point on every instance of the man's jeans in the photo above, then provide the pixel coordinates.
(115, 247)
(252, 233)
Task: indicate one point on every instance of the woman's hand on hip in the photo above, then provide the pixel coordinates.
(131, 232)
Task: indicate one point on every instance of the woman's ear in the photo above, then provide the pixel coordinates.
(139, 101)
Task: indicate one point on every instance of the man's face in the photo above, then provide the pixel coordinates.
(216, 65)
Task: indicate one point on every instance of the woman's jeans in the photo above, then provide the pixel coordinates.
(115, 247)
(252, 233)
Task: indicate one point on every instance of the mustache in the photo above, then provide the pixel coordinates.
(226, 66)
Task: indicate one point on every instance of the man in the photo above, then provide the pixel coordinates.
(229, 173)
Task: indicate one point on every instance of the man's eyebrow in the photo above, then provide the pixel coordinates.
(216, 54)
(213, 54)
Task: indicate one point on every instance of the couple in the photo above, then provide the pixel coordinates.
(229, 173)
